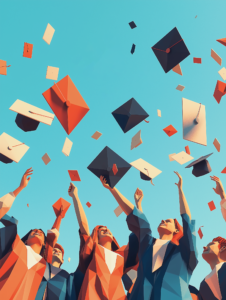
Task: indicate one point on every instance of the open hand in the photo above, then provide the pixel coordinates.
(219, 187)
(73, 190)
(180, 182)
(138, 196)
(25, 179)
(104, 182)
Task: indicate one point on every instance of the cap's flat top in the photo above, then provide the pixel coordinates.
(191, 131)
(182, 157)
(32, 112)
(52, 73)
(16, 153)
(198, 160)
(171, 156)
(145, 168)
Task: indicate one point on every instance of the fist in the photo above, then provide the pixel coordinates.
(73, 190)
(138, 196)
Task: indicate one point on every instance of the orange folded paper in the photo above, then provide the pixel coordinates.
(74, 175)
(66, 103)
(27, 50)
(187, 150)
(170, 130)
(88, 204)
(57, 206)
(222, 41)
(220, 91)
(211, 205)
(200, 233)
(224, 171)
(197, 60)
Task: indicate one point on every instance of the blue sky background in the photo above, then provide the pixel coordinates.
(92, 44)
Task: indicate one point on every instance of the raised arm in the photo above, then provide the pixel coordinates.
(7, 201)
(219, 190)
(184, 208)
(125, 204)
(80, 213)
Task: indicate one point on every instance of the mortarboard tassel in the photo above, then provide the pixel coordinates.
(40, 115)
(146, 121)
(149, 176)
(16, 146)
(5, 66)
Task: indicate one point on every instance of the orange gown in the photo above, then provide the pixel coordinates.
(103, 270)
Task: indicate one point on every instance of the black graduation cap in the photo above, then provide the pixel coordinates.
(129, 115)
(200, 166)
(133, 48)
(25, 123)
(132, 25)
(103, 163)
(171, 50)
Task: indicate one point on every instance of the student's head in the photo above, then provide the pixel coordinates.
(171, 227)
(101, 235)
(58, 254)
(36, 236)
(215, 250)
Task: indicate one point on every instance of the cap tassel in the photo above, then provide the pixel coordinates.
(146, 121)
(16, 146)
(149, 176)
(196, 121)
(5, 66)
(40, 115)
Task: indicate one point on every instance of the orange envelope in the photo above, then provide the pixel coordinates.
(28, 50)
(211, 205)
(57, 206)
(220, 90)
(66, 103)
(170, 130)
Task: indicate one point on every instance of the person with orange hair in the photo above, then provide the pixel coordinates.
(165, 264)
(102, 261)
(214, 285)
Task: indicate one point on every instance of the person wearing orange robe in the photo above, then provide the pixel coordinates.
(22, 265)
(102, 260)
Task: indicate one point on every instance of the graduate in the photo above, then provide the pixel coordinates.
(165, 264)
(22, 265)
(214, 284)
(102, 261)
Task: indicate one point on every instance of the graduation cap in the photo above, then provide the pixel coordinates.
(147, 171)
(29, 116)
(200, 166)
(11, 149)
(66, 103)
(102, 166)
(132, 25)
(129, 115)
(171, 50)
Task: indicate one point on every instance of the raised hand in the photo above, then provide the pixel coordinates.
(73, 190)
(104, 183)
(180, 182)
(219, 187)
(138, 196)
(25, 179)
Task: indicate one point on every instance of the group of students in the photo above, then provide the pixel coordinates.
(30, 267)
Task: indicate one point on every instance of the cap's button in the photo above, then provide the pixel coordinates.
(68, 103)
(168, 50)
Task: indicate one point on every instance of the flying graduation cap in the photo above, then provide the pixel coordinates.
(129, 115)
(171, 50)
(11, 149)
(102, 166)
(200, 166)
(29, 116)
(147, 171)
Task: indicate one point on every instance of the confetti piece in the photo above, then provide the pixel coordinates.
(197, 60)
(200, 232)
(88, 204)
(46, 159)
(211, 205)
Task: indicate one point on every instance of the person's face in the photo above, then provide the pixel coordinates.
(57, 255)
(211, 251)
(36, 236)
(104, 234)
(167, 227)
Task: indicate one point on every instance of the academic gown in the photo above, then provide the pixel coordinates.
(171, 280)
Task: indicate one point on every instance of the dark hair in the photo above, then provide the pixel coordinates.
(24, 239)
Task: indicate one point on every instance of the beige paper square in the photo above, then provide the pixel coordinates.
(8, 149)
(46, 159)
(222, 73)
(96, 135)
(182, 157)
(216, 57)
(191, 131)
(171, 156)
(118, 211)
(136, 140)
(32, 112)
(159, 113)
(67, 147)
(52, 73)
(48, 35)
(180, 88)
(217, 145)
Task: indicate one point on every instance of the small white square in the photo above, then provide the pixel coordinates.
(67, 147)
(48, 34)
(52, 73)
(159, 112)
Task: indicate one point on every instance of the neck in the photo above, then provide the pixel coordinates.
(106, 244)
(215, 262)
(56, 264)
(36, 248)
(165, 236)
